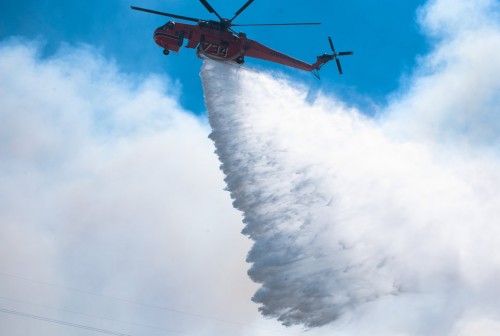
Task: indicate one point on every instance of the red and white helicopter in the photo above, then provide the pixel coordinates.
(216, 40)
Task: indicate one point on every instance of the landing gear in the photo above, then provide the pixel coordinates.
(166, 52)
(240, 60)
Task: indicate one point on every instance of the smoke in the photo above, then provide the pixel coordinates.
(389, 221)
(108, 186)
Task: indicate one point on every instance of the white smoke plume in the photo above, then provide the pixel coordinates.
(108, 186)
(392, 218)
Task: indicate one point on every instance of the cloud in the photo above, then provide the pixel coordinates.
(108, 186)
(388, 223)
(453, 94)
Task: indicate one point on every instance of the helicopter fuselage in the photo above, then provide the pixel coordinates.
(213, 40)
(210, 38)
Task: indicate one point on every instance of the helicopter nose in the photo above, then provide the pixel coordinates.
(166, 38)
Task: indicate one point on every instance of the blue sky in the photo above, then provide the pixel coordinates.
(384, 36)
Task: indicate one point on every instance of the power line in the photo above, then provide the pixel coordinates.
(46, 319)
(120, 299)
(94, 316)
(143, 304)
(124, 300)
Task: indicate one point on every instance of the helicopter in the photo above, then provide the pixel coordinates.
(218, 41)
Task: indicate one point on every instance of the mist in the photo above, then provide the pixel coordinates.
(356, 217)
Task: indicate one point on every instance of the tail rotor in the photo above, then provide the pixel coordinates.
(335, 55)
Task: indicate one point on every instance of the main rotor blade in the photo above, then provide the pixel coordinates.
(210, 8)
(278, 24)
(249, 2)
(165, 14)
